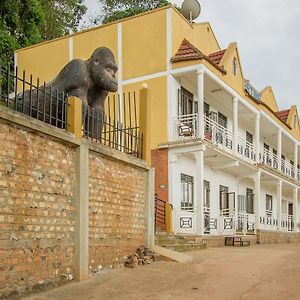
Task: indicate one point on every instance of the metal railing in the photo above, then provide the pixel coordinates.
(246, 149)
(38, 101)
(271, 159)
(185, 127)
(100, 128)
(160, 211)
(218, 134)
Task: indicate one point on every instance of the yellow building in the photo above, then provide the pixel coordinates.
(226, 157)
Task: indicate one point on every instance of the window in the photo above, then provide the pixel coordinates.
(295, 121)
(187, 192)
(250, 204)
(269, 205)
(206, 202)
(187, 104)
(234, 66)
(206, 110)
(224, 203)
(249, 137)
(222, 120)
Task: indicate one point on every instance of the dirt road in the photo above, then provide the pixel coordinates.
(256, 272)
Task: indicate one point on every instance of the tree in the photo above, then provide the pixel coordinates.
(61, 17)
(27, 22)
(118, 9)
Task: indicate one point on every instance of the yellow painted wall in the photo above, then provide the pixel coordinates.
(157, 93)
(144, 44)
(85, 43)
(199, 34)
(267, 96)
(44, 60)
(290, 121)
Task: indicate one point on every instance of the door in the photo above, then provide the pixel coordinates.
(224, 201)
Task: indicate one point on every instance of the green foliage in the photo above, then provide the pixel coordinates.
(117, 9)
(61, 17)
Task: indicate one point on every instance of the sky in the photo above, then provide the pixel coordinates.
(268, 36)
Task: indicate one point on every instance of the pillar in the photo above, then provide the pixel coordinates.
(279, 145)
(74, 112)
(257, 136)
(295, 210)
(144, 122)
(296, 161)
(279, 203)
(235, 102)
(199, 191)
(82, 213)
(200, 96)
(149, 208)
(257, 199)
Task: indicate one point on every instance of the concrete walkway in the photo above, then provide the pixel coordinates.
(256, 272)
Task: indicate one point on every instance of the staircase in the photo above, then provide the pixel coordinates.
(179, 243)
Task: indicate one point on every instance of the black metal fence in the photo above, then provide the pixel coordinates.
(112, 133)
(118, 129)
(41, 102)
(160, 211)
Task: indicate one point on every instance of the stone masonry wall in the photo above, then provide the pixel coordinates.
(41, 170)
(116, 211)
(36, 211)
(273, 237)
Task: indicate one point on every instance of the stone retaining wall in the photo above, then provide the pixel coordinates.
(40, 241)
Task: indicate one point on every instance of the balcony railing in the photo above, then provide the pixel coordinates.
(223, 138)
(218, 134)
(271, 159)
(185, 127)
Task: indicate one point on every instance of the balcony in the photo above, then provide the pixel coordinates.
(271, 160)
(185, 127)
(223, 138)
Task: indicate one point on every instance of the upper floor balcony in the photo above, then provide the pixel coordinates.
(186, 128)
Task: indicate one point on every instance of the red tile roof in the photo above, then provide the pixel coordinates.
(217, 56)
(283, 114)
(187, 51)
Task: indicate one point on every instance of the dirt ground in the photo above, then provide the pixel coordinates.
(255, 272)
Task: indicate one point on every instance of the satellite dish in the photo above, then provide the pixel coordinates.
(190, 9)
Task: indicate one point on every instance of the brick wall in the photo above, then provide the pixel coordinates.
(159, 159)
(36, 211)
(116, 211)
(38, 196)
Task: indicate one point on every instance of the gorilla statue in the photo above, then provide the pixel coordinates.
(89, 80)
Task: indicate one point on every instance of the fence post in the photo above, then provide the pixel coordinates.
(74, 112)
(169, 212)
(144, 121)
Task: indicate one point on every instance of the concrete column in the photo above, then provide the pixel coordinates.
(235, 102)
(200, 96)
(144, 122)
(257, 136)
(149, 208)
(257, 199)
(74, 111)
(295, 210)
(199, 192)
(296, 161)
(82, 213)
(279, 203)
(279, 150)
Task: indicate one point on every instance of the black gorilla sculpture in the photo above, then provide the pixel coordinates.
(89, 80)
